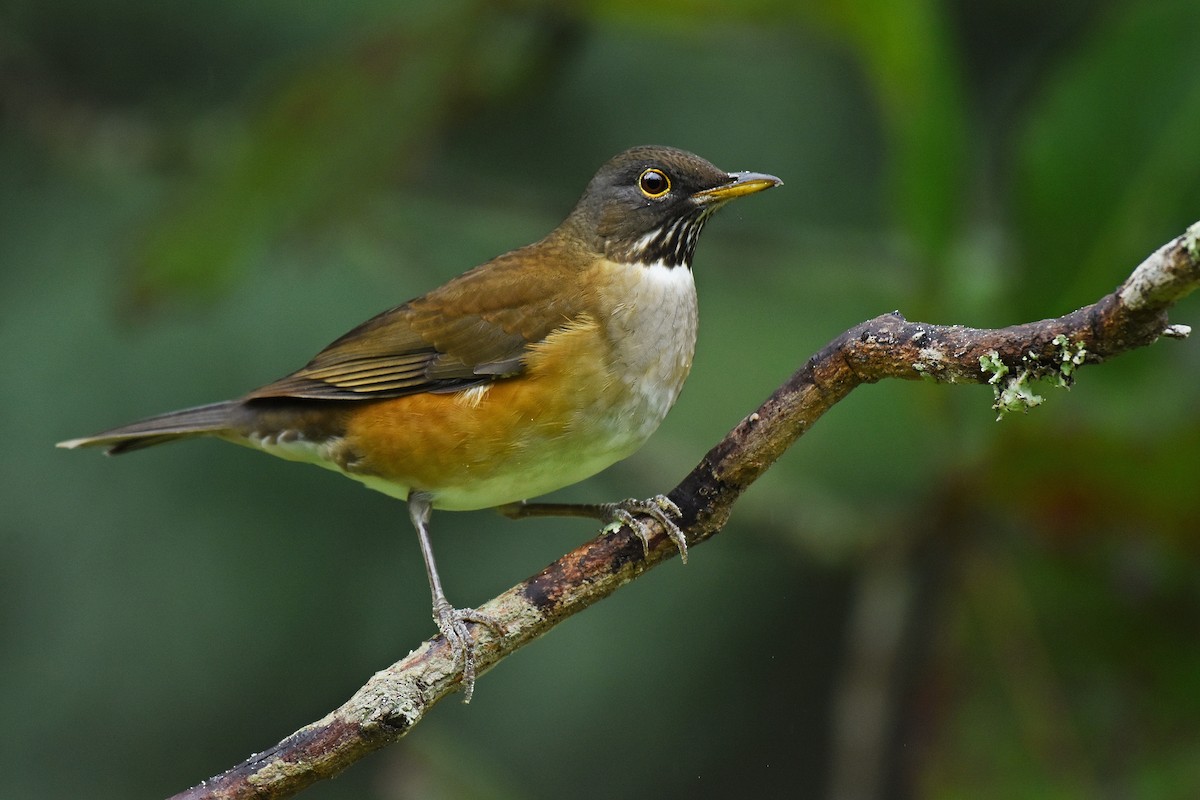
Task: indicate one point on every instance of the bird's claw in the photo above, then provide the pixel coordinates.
(452, 622)
(660, 508)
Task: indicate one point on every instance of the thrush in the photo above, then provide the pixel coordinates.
(528, 373)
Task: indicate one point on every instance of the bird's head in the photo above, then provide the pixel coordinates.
(648, 204)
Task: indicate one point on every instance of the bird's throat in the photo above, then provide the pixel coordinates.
(672, 244)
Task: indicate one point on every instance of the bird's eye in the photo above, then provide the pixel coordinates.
(654, 183)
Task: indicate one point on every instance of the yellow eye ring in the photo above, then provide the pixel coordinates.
(654, 183)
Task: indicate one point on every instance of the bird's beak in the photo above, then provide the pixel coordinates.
(740, 184)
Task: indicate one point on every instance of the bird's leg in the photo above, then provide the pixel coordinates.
(660, 508)
(451, 621)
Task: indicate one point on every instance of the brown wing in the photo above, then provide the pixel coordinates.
(474, 329)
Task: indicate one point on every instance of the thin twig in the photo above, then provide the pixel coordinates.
(1010, 359)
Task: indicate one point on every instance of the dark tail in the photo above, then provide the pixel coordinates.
(209, 419)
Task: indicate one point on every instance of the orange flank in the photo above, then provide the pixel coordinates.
(504, 441)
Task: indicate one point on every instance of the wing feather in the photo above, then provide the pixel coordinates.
(474, 329)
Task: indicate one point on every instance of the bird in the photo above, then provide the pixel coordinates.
(530, 372)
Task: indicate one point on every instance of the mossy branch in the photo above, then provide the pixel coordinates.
(396, 699)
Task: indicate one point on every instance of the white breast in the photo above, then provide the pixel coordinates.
(652, 329)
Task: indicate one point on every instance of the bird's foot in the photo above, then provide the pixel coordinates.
(660, 508)
(452, 622)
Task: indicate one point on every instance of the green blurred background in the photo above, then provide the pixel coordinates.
(916, 601)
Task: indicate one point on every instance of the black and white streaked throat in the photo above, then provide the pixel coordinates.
(672, 244)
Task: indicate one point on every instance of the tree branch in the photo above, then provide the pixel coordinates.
(1010, 359)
